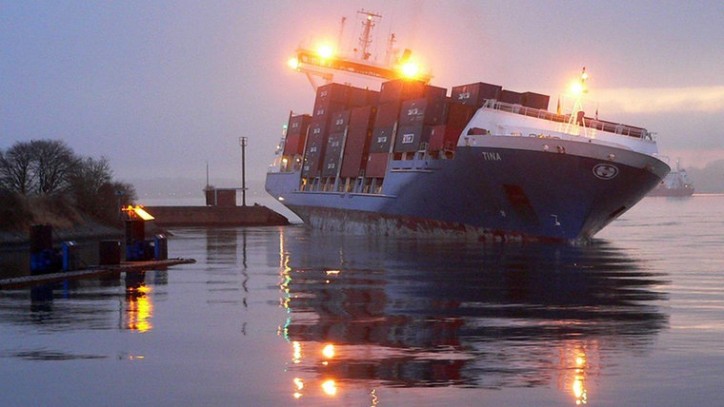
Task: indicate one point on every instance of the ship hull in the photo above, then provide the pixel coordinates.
(496, 188)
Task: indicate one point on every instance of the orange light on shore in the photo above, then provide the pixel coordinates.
(138, 211)
(410, 70)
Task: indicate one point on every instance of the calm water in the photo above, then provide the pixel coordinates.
(285, 316)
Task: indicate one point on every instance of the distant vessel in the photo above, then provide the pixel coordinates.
(484, 162)
(675, 184)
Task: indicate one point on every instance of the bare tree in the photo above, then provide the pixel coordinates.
(54, 163)
(16, 169)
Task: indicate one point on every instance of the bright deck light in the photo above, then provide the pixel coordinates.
(325, 51)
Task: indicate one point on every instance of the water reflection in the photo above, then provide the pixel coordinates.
(405, 313)
(139, 306)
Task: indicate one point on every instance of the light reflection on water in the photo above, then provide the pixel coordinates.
(406, 313)
(285, 316)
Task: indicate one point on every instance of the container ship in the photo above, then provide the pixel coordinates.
(482, 162)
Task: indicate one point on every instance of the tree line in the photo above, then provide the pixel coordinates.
(49, 170)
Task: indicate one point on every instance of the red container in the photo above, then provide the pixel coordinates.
(508, 96)
(458, 114)
(362, 116)
(435, 92)
(401, 89)
(362, 97)
(296, 134)
(387, 114)
(333, 92)
(339, 121)
(294, 144)
(356, 147)
(535, 100)
(328, 109)
(475, 94)
(298, 124)
(376, 165)
(444, 137)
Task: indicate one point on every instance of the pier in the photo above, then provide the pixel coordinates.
(93, 272)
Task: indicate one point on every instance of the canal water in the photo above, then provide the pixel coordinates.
(292, 317)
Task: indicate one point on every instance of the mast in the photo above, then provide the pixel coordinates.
(365, 40)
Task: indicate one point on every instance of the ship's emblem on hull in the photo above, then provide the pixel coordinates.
(605, 171)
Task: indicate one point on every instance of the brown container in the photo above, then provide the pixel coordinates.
(362, 97)
(376, 165)
(356, 146)
(327, 109)
(387, 114)
(508, 96)
(459, 114)
(435, 92)
(475, 94)
(298, 124)
(339, 121)
(296, 134)
(355, 149)
(401, 89)
(333, 92)
(535, 100)
(294, 144)
(444, 137)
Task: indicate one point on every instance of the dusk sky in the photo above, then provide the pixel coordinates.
(161, 87)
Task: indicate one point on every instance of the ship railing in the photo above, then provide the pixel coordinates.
(589, 122)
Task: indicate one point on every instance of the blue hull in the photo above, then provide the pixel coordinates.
(510, 187)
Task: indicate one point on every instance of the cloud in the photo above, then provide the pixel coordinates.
(662, 100)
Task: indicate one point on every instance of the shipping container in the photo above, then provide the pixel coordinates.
(475, 94)
(411, 137)
(294, 144)
(339, 121)
(444, 137)
(509, 96)
(376, 165)
(314, 150)
(357, 144)
(459, 114)
(535, 100)
(401, 89)
(298, 124)
(328, 109)
(296, 134)
(427, 111)
(333, 154)
(382, 138)
(333, 92)
(387, 114)
(363, 97)
(356, 149)
(434, 92)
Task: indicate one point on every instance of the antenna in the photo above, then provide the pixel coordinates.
(368, 24)
(341, 32)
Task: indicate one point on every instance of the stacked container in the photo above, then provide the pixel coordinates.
(332, 99)
(296, 134)
(357, 144)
